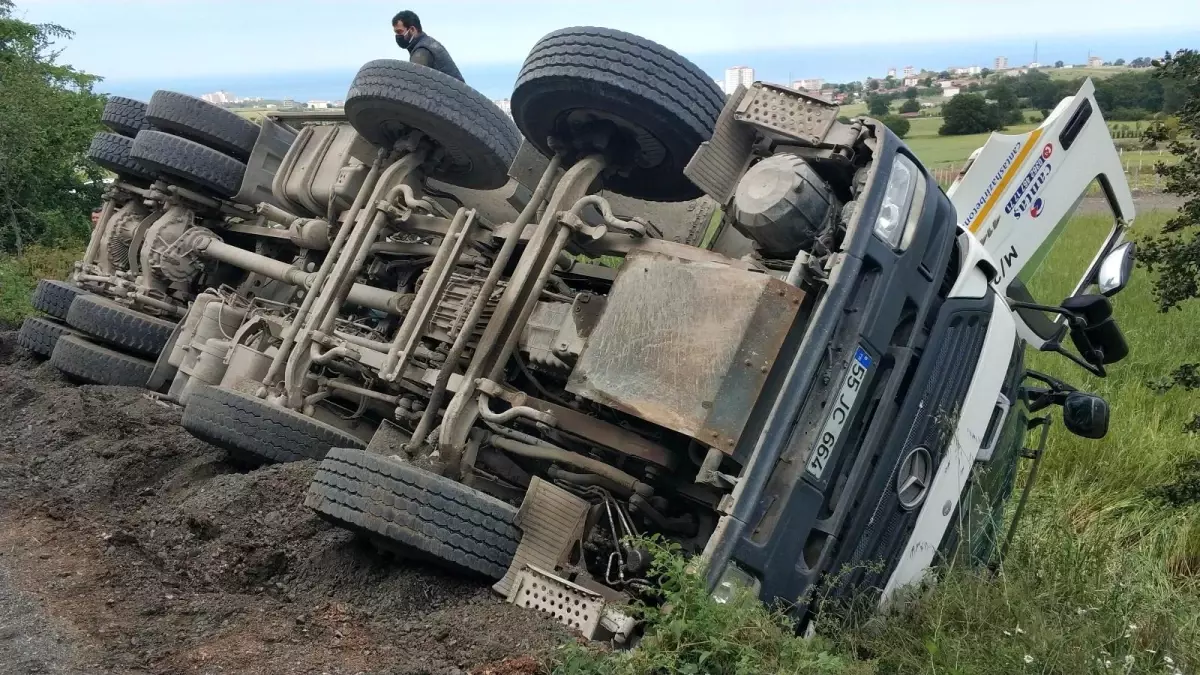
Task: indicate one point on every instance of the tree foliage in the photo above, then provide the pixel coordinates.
(877, 105)
(910, 106)
(897, 124)
(48, 114)
(968, 114)
(1175, 253)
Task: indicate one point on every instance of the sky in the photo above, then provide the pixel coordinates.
(313, 47)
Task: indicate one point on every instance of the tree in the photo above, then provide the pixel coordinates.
(910, 106)
(1141, 62)
(968, 114)
(889, 82)
(1004, 96)
(877, 105)
(897, 124)
(911, 93)
(927, 82)
(944, 75)
(873, 85)
(1175, 254)
(1119, 62)
(48, 114)
(1059, 64)
(984, 72)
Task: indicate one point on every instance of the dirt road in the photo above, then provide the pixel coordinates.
(126, 546)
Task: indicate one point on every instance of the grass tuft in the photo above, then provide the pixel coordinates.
(19, 276)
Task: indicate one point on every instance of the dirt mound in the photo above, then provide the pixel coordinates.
(157, 555)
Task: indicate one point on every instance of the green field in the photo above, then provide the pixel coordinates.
(1094, 73)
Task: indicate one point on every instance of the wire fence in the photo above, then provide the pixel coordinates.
(1139, 170)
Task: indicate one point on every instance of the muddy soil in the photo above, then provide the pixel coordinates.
(127, 546)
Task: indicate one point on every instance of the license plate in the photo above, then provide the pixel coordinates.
(835, 422)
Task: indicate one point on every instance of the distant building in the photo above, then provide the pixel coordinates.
(950, 92)
(1013, 72)
(909, 71)
(738, 75)
(318, 105)
(219, 98)
(1001, 63)
(1095, 62)
(912, 81)
(1035, 64)
(891, 72)
(288, 103)
(812, 84)
(945, 83)
(505, 105)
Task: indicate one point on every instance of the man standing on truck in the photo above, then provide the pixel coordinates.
(421, 48)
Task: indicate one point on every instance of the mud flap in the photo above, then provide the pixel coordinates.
(551, 521)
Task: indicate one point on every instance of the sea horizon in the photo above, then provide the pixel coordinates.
(836, 64)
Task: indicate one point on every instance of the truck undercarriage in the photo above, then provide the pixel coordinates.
(485, 388)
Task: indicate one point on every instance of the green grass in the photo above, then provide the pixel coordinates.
(19, 275)
(1094, 73)
(1102, 577)
(938, 152)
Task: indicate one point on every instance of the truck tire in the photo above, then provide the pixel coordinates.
(111, 151)
(55, 297)
(121, 327)
(126, 116)
(399, 503)
(91, 363)
(39, 335)
(388, 98)
(255, 432)
(665, 105)
(188, 160)
(202, 122)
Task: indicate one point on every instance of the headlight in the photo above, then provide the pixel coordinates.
(734, 578)
(897, 201)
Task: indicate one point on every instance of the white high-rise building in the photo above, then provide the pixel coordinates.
(738, 75)
(505, 105)
(1001, 63)
(909, 71)
(812, 84)
(219, 98)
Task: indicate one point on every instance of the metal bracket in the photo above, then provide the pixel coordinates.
(787, 112)
(571, 604)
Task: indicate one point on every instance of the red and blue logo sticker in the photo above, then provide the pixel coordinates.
(1037, 207)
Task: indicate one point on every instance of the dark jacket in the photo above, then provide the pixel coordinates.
(429, 52)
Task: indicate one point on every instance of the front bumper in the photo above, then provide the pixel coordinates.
(789, 525)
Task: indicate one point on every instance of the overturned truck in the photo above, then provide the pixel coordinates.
(814, 389)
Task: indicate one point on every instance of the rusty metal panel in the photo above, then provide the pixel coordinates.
(686, 344)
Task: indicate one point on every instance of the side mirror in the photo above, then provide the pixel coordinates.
(1085, 415)
(1115, 270)
(1096, 335)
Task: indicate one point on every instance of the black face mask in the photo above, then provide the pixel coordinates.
(403, 40)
